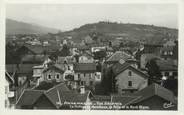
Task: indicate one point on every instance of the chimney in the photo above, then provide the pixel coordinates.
(82, 89)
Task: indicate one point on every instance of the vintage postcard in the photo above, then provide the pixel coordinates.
(92, 56)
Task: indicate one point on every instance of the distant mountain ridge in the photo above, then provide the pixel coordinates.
(18, 27)
(134, 32)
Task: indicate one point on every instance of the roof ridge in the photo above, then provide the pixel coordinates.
(131, 101)
(53, 87)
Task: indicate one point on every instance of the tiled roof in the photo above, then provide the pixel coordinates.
(85, 67)
(149, 56)
(167, 65)
(117, 56)
(153, 90)
(37, 49)
(21, 69)
(170, 43)
(83, 47)
(34, 59)
(124, 99)
(29, 97)
(65, 95)
(11, 68)
(72, 96)
(101, 98)
(26, 68)
(68, 59)
(168, 48)
(53, 67)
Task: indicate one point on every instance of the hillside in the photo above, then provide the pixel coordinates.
(133, 32)
(16, 27)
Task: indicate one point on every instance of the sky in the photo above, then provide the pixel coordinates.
(70, 16)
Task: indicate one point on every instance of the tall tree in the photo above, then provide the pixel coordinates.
(108, 81)
(65, 51)
(153, 71)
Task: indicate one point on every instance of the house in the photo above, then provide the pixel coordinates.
(86, 58)
(52, 73)
(153, 97)
(156, 97)
(168, 68)
(32, 54)
(147, 49)
(117, 56)
(37, 72)
(169, 43)
(45, 43)
(170, 50)
(67, 61)
(31, 50)
(95, 49)
(21, 72)
(167, 52)
(115, 43)
(85, 74)
(109, 51)
(57, 97)
(128, 78)
(33, 59)
(67, 64)
(151, 48)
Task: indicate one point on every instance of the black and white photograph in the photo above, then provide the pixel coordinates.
(92, 56)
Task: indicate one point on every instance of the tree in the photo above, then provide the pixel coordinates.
(12, 57)
(153, 71)
(108, 81)
(65, 51)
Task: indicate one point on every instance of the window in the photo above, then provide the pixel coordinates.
(84, 74)
(68, 67)
(130, 73)
(129, 83)
(57, 76)
(175, 74)
(49, 76)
